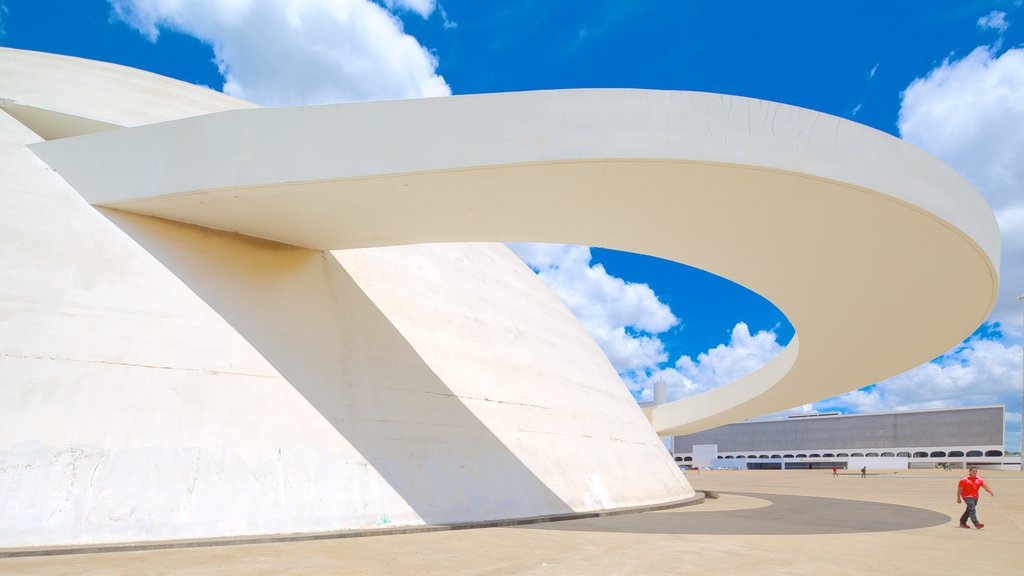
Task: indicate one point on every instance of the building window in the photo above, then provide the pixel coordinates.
(994, 453)
(925, 454)
(857, 455)
(887, 454)
(938, 454)
(872, 454)
(904, 454)
(972, 453)
(956, 454)
(842, 455)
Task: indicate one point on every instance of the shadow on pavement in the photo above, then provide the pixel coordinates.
(786, 515)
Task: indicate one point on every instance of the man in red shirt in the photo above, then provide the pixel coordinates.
(967, 489)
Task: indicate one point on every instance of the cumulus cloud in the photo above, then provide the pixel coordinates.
(981, 371)
(422, 7)
(623, 317)
(995, 20)
(1013, 431)
(278, 52)
(743, 354)
(970, 113)
(724, 363)
(626, 319)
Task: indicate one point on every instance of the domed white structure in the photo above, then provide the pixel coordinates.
(218, 320)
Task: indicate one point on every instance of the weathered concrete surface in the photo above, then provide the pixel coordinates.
(164, 381)
(869, 235)
(233, 373)
(735, 534)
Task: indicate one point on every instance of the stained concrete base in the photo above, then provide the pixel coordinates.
(765, 522)
(143, 546)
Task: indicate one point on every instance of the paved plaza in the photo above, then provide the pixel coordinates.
(764, 522)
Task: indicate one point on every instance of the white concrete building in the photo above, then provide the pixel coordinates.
(908, 439)
(218, 320)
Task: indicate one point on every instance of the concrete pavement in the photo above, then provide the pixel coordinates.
(765, 522)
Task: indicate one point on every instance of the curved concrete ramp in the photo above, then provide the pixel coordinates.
(881, 256)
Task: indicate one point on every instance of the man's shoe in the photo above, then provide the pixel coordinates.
(979, 526)
(963, 525)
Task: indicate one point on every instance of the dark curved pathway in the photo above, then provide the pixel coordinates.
(786, 515)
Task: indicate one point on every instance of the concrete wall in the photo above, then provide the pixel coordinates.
(160, 380)
(875, 464)
(703, 454)
(846, 464)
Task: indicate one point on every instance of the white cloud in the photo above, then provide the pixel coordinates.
(742, 355)
(1013, 432)
(3, 16)
(980, 371)
(874, 69)
(626, 318)
(448, 23)
(422, 7)
(278, 52)
(641, 383)
(724, 363)
(970, 113)
(995, 20)
(623, 317)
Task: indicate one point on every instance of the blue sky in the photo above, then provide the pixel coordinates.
(948, 77)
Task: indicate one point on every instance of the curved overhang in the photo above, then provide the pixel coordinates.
(881, 256)
(61, 96)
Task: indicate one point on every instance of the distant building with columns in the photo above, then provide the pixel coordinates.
(910, 439)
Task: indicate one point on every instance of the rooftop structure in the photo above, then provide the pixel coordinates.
(924, 437)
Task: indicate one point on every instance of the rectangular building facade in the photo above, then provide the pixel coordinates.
(978, 429)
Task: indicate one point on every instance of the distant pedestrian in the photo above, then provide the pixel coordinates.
(834, 475)
(967, 489)
(864, 472)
